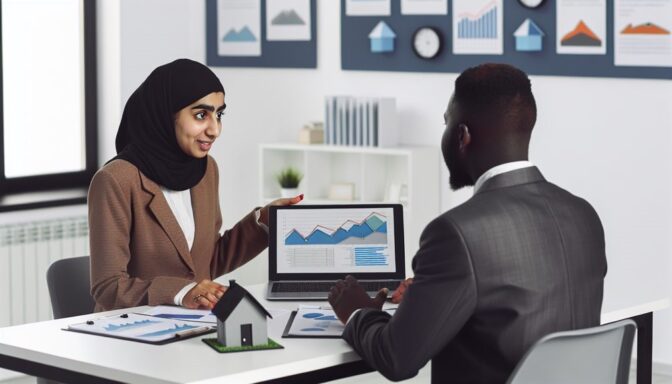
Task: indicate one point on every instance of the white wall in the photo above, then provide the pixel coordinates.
(607, 140)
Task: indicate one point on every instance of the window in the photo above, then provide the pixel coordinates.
(48, 106)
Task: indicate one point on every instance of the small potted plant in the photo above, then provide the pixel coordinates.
(289, 179)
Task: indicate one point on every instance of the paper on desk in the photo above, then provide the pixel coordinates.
(319, 322)
(183, 314)
(140, 327)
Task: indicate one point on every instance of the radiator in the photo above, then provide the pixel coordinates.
(27, 248)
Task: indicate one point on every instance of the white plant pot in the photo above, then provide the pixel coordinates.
(289, 192)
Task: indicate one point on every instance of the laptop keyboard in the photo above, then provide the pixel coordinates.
(325, 286)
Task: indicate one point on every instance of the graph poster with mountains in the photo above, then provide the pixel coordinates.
(261, 33)
(478, 27)
(288, 20)
(643, 33)
(582, 27)
(239, 27)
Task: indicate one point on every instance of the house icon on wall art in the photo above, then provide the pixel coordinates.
(382, 38)
(529, 37)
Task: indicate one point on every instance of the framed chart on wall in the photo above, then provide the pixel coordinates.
(261, 33)
(596, 38)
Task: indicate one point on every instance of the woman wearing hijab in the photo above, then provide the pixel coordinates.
(154, 211)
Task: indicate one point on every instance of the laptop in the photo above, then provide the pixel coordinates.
(312, 246)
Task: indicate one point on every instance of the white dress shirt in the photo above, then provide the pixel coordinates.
(180, 203)
(498, 170)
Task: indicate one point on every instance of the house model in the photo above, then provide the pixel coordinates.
(529, 37)
(382, 38)
(241, 319)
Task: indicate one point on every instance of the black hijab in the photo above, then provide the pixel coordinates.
(146, 136)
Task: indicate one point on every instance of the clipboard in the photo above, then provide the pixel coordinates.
(320, 323)
(329, 329)
(142, 328)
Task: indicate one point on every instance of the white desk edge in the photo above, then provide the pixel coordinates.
(257, 374)
(625, 313)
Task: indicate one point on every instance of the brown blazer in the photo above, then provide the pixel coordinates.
(139, 255)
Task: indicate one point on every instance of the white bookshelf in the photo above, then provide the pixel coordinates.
(371, 170)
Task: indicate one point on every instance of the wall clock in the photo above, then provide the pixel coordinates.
(427, 43)
(531, 3)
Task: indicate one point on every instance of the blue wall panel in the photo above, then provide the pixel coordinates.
(355, 53)
(279, 54)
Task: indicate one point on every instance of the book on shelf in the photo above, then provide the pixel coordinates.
(361, 121)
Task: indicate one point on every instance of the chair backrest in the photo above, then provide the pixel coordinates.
(592, 355)
(69, 287)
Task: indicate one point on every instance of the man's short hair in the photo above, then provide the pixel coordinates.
(499, 93)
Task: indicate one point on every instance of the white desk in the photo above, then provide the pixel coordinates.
(43, 349)
(34, 348)
(642, 314)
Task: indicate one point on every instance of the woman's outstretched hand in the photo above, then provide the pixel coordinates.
(204, 295)
(279, 202)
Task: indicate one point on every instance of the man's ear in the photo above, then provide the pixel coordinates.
(463, 136)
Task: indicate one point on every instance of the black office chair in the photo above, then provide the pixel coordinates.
(69, 287)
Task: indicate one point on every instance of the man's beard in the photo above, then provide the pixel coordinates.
(459, 181)
(458, 176)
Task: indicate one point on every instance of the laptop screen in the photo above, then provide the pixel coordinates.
(339, 239)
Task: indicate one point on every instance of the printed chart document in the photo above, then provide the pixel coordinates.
(478, 27)
(317, 322)
(239, 27)
(288, 20)
(368, 8)
(142, 328)
(424, 7)
(581, 27)
(182, 314)
(643, 33)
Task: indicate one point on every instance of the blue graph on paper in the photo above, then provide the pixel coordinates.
(179, 316)
(127, 326)
(321, 323)
(244, 35)
(319, 316)
(169, 331)
(483, 26)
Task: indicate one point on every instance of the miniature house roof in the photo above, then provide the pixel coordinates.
(233, 296)
(382, 31)
(528, 28)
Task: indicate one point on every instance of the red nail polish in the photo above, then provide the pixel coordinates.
(301, 196)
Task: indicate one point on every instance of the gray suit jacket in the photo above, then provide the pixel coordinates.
(522, 258)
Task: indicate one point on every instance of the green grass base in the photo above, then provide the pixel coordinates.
(212, 342)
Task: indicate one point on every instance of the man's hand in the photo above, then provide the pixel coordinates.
(398, 294)
(263, 217)
(348, 296)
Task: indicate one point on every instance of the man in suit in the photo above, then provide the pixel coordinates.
(522, 258)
